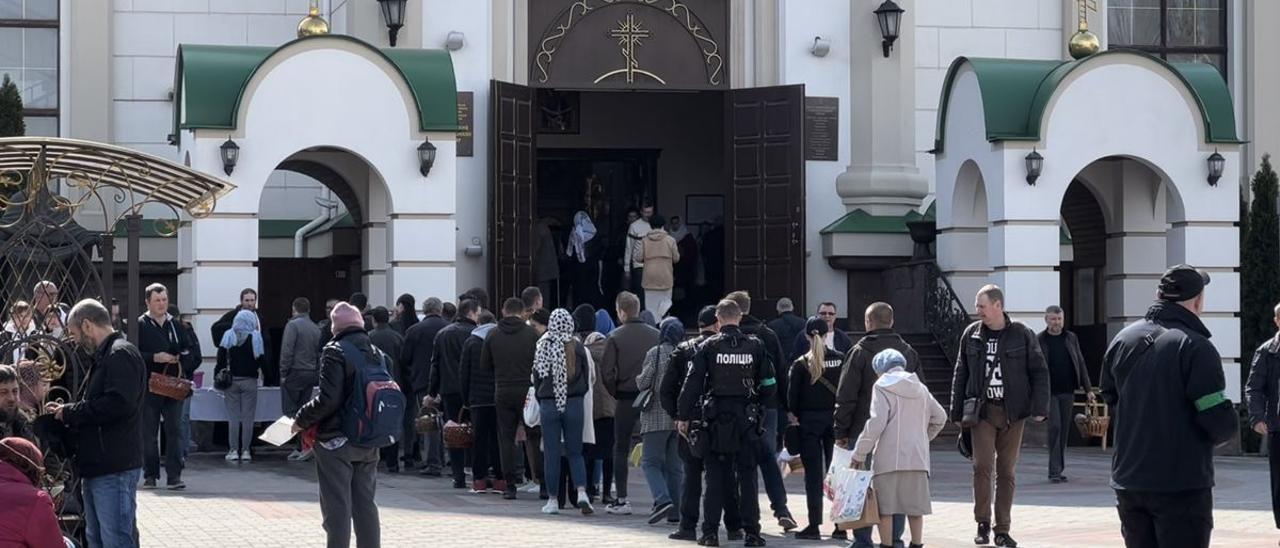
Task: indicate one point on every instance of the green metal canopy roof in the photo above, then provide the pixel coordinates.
(1015, 93)
(861, 222)
(210, 81)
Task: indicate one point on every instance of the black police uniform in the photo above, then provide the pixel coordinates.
(814, 404)
(735, 371)
(691, 491)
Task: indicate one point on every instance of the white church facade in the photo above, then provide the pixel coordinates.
(798, 142)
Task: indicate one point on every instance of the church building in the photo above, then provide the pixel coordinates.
(842, 151)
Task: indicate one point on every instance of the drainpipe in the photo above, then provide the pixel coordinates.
(327, 207)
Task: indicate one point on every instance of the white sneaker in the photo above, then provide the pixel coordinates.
(245, 457)
(584, 502)
(619, 508)
(551, 507)
(295, 455)
(232, 456)
(532, 487)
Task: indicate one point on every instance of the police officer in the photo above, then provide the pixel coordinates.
(728, 377)
(668, 396)
(811, 395)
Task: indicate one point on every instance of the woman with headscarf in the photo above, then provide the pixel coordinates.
(241, 350)
(663, 469)
(561, 379)
(811, 396)
(584, 254)
(604, 322)
(904, 419)
(406, 314)
(599, 455)
(26, 517)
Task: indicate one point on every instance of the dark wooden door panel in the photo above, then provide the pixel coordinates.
(766, 164)
(511, 189)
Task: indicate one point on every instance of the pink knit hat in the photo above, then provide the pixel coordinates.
(345, 316)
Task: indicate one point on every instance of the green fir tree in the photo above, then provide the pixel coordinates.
(11, 124)
(1260, 264)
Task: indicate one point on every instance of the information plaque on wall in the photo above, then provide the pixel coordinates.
(822, 128)
(466, 100)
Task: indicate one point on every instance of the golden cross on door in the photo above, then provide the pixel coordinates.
(630, 34)
(1082, 10)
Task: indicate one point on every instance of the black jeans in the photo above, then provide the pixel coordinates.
(1273, 457)
(457, 457)
(412, 442)
(509, 410)
(691, 494)
(602, 451)
(817, 440)
(624, 423)
(1181, 519)
(1059, 429)
(170, 410)
(485, 452)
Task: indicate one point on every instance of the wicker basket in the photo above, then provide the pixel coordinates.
(176, 388)
(458, 435)
(1094, 422)
(428, 422)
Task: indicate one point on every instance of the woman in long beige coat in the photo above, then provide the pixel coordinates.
(904, 418)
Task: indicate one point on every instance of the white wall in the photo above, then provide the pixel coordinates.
(946, 29)
(826, 77)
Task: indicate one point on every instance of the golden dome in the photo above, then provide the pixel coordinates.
(1083, 44)
(313, 24)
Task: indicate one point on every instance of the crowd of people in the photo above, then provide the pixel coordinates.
(557, 400)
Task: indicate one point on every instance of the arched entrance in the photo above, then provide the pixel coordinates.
(1124, 139)
(351, 118)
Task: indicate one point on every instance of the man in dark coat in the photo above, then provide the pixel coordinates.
(1263, 391)
(1067, 373)
(389, 341)
(1164, 379)
(445, 385)
(853, 392)
(835, 338)
(1000, 366)
(415, 375)
(107, 426)
(788, 325)
(249, 301)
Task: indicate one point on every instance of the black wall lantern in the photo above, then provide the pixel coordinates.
(426, 157)
(1216, 165)
(230, 155)
(890, 16)
(1035, 163)
(393, 14)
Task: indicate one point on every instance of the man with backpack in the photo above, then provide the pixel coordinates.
(358, 411)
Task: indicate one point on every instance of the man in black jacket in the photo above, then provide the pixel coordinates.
(853, 392)
(347, 473)
(162, 341)
(1067, 372)
(415, 370)
(999, 369)
(788, 325)
(477, 394)
(1263, 391)
(107, 426)
(775, 414)
(508, 351)
(836, 339)
(1164, 380)
(388, 340)
(446, 377)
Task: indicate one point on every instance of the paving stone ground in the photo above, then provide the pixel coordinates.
(273, 503)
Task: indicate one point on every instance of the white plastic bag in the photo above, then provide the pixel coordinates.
(532, 411)
(846, 487)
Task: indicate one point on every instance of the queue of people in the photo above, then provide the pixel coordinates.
(709, 410)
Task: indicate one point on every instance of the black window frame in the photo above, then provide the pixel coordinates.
(56, 25)
(1163, 50)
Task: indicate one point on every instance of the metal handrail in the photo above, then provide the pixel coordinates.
(946, 316)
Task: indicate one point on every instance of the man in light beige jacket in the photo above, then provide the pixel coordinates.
(660, 257)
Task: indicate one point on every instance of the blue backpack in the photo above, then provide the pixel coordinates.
(374, 412)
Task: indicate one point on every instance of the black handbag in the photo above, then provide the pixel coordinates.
(222, 379)
(972, 412)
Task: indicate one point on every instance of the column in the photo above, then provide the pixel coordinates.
(421, 257)
(882, 178)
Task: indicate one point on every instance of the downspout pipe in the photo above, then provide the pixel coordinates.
(327, 207)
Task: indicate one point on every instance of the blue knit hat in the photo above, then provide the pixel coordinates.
(887, 360)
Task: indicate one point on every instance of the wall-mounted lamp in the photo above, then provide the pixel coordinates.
(889, 15)
(426, 157)
(230, 152)
(393, 16)
(454, 40)
(1216, 164)
(1035, 163)
(821, 47)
